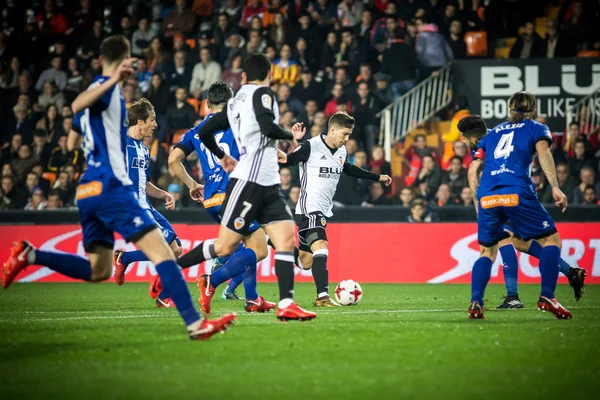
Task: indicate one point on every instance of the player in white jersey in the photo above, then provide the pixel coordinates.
(253, 192)
(322, 160)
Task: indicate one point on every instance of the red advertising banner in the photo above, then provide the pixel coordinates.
(387, 253)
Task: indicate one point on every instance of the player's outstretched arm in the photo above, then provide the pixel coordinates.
(357, 172)
(89, 97)
(547, 163)
(176, 163)
(157, 193)
(299, 155)
(72, 139)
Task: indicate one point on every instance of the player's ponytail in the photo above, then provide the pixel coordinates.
(522, 106)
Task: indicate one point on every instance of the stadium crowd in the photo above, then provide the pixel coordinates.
(351, 55)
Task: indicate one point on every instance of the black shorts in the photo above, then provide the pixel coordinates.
(246, 202)
(311, 228)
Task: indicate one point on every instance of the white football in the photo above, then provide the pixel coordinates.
(348, 293)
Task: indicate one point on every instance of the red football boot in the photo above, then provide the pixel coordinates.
(476, 310)
(552, 305)
(155, 286)
(294, 312)
(16, 263)
(209, 328)
(119, 267)
(165, 303)
(258, 305)
(206, 292)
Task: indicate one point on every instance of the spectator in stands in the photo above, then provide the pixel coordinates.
(279, 32)
(449, 16)
(466, 197)
(366, 107)
(286, 70)
(320, 123)
(158, 94)
(404, 198)
(349, 12)
(529, 44)
(575, 27)
(54, 201)
(456, 39)
(556, 44)
(180, 20)
(206, 72)
(60, 156)
(65, 192)
(310, 111)
(5, 203)
(444, 197)
(286, 182)
(429, 178)
(456, 176)
(419, 214)
(50, 96)
(303, 55)
(273, 7)
(50, 123)
(37, 201)
(329, 54)
(141, 38)
(21, 123)
(363, 30)
(40, 148)
(16, 197)
(378, 165)
(284, 95)
(180, 115)
(566, 182)
(383, 91)
(156, 56)
(179, 73)
(10, 151)
(125, 27)
(580, 157)
(307, 88)
(233, 47)
(223, 29)
(8, 170)
(377, 196)
(589, 196)
(337, 92)
(587, 178)
(233, 75)
(31, 182)
(366, 75)
(293, 197)
(91, 45)
(50, 21)
(352, 56)
(55, 74)
(74, 79)
(254, 7)
(24, 163)
(432, 49)
(307, 31)
(362, 185)
(401, 64)
(544, 191)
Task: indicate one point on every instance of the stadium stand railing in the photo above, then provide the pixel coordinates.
(415, 107)
(586, 111)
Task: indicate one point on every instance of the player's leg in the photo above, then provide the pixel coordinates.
(510, 270)
(320, 252)
(257, 241)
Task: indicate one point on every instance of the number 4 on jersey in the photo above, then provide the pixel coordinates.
(505, 146)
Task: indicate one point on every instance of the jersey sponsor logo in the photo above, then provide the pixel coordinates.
(266, 101)
(500, 200)
(214, 201)
(89, 190)
(141, 163)
(239, 223)
(502, 170)
(329, 172)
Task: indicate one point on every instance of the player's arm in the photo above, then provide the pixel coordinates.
(357, 172)
(74, 133)
(178, 154)
(157, 193)
(473, 176)
(547, 163)
(262, 102)
(299, 155)
(89, 97)
(206, 133)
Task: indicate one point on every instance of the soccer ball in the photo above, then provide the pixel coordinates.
(348, 293)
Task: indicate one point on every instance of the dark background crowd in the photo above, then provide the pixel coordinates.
(351, 55)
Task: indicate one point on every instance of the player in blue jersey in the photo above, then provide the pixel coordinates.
(142, 123)
(242, 263)
(106, 199)
(473, 129)
(505, 192)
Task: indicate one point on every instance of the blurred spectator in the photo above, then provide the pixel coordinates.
(74, 79)
(456, 176)
(181, 115)
(279, 32)
(37, 201)
(400, 62)
(180, 20)
(418, 213)
(286, 182)
(444, 197)
(320, 123)
(404, 198)
(466, 197)
(378, 165)
(377, 196)
(307, 89)
(556, 44)
(143, 75)
(329, 53)
(589, 196)
(65, 191)
(24, 86)
(40, 149)
(360, 160)
(158, 94)
(140, 40)
(310, 111)
(179, 72)
(50, 96)
(233, 47)
(544, 191)
(432, 49)
(254, 7)
(449, 15)
(125, 27)
(156, 56)
(293, 197)
(349, 12)
(55, 74)
(366, 108)
(233, 9)
(303, 55)
(16, 197)
(580, 158)
(366, 75)
(273, 7)
(574, 26)
(24, 163)
(337, 92)
(223, 29)
(5, 203)
(385, 31)
(129, 95)
(383, 91)
(587, 178)
(566, 182)
(456, 41)
(284, 69)
(174, 190)
(206, 72)
(529, 44)
(54, 201)
(307, 31)
(50, 123)
(233, 75)
(50, 21)
(91, 44)
(429, 178)
(284, 95)
(60, 155)
(351, 55)
(256, 42)
(20, 123)
(10, 151)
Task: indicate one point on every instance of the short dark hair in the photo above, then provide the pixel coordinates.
(472, 126)
(341, 119)
(53, 192)
(219, 93)
(114, 48)
(40, 133)
(589, 187)
(420, 135)
(257, 67)
(139, 111)
(459, 158)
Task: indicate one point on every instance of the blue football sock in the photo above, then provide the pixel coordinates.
(549, 269)
(67, 264)
(133, 256)
(563, 267)
(510, 269)
(482, 270)
(174, 284)
(536, 250)
(234, 267)
(250, 281)
(234, 283)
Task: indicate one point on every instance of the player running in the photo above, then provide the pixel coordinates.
(505, 192)
(322, 160)
(243, 261)
(142, 123)
(253, 192)
(473, 129)
(107, 202)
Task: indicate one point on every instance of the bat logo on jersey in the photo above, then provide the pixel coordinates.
(140, 163)
(329, 172)
(239, 223)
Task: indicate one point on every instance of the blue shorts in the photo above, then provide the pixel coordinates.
(105, 210)
(510, 227)
(213, 207)
(529, 219)
(165, 227)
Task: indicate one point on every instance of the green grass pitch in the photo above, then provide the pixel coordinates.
(81, 341)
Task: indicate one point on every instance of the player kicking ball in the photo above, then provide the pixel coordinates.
(473, 129)
(322, 161)
(107, 201)
(142, 123)
(505, 192)
(242, 264)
